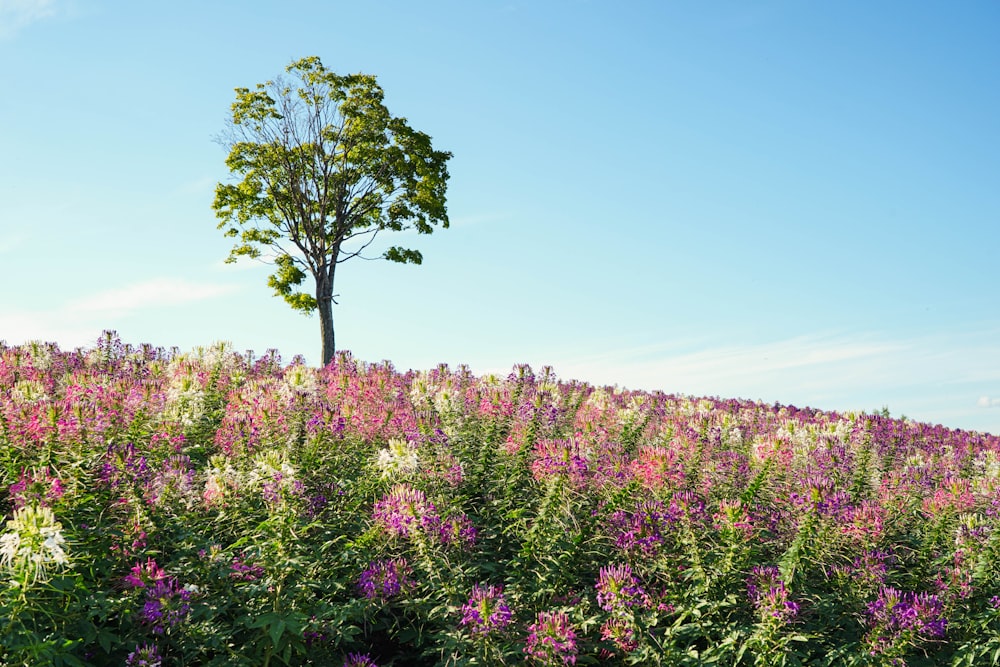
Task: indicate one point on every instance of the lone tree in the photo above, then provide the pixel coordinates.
(324, 169)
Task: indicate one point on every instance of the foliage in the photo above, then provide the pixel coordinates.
(325, 167)
(214, 508)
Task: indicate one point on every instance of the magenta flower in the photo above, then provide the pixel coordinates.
(359, 660)
(619, 632)
(767, 591)
(404, 510)
(551, 639)
(618, 589)
(39, 488)
(144, 574)
(485, 611)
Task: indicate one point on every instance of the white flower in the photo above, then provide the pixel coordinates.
(398, 459)
(34, 541)
(299, 381)
(10, 544)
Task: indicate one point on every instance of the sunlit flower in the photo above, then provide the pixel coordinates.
(551, 639)
(404, 510)
(33, 542)
(486, 611)
(768, 593)
(618, 589)
(398, 459)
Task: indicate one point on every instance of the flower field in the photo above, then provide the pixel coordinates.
(214, 508)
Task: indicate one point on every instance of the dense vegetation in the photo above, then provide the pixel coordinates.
(219, 509)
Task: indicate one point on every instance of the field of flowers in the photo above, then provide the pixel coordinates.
(213, 508)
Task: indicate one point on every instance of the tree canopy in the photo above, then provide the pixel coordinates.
(324, 168)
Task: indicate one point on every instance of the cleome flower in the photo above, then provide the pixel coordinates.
(485, 611)
(33, 541)
(399, 459)
(551, 639)
(618, 589)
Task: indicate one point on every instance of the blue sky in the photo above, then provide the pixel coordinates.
(786, 201)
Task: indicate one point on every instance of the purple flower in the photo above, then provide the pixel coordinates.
(385, 579)
(359, 660)
(241, 570)
(146, 655)
(551, 639)
(485, 611)
(458, 530)
(644, 529)
(166, 605)
(894, 612)
(404, 510)
(767, 591)
(122, 465)
(618, 589)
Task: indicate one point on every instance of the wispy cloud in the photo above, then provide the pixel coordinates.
(154, 293)
(79, 322)
(930, 377)
(15, 15)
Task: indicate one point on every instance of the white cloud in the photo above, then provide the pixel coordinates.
(812, 361)
(154, 293)
(18, 14)
(987, 402)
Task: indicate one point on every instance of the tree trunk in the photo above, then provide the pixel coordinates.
(324, 300)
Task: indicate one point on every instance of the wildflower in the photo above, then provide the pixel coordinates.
(167, 604)
(34, 541)
(618, 589)
(398, 459)
(458, 530)
(359, 660)
(404, 510)
(146, 655)
(38, 488)
(241, 570)
(894, 612)
(768, 593)
(733, 518)
(657, 467)
(621, 633)
(644, 529)
(174, 479)
(122, 465)
(299, 382)
(561, 458)
(385, 579)
(485, 611)
(144, 574)
(551, 639)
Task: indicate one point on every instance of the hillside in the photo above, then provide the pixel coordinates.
(218, 508)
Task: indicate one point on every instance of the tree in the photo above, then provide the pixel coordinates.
(324, 169)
